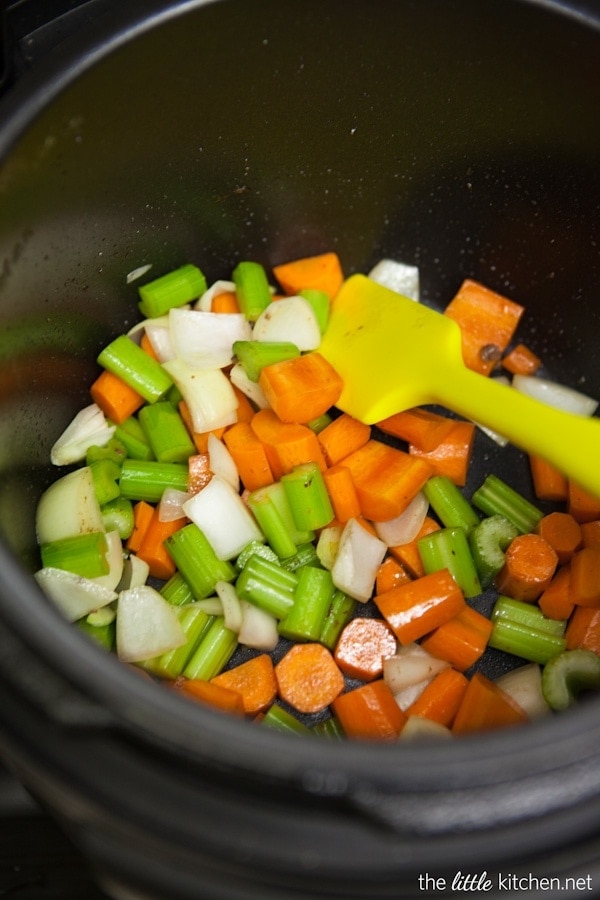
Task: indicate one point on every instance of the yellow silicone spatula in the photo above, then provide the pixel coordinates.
(393, 354)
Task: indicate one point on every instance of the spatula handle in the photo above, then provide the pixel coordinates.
(568, 441)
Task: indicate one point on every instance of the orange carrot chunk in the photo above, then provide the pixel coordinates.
(254, 680)
(441, 698)
(302, 388)
(225, 302)
(562, 532)
(555, 602)
(529, 566)
(369, 712)
(521, 360)
(152, 548)
(390, 574)
(249, 455)
(585, 576)
(486, 706)
(462, 640)
(548, 482)
(582, 505)
(142, 516)
(116, 399)
(322, 272)
(341, 437)
(287, 444)
(362, 647)
(590, 533)
(487, 322)
(422, 428)
(408, 554)
(452, 456)
(308, 678)
(216, 695)
(414, 609)
(386, 479)
(342, 493)
(583, 629)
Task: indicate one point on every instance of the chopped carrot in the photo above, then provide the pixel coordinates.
(200, 439)
(555, 602)
(142, 515)
(421, 427)
(322, 272)
(342, 493)
(147, 347)
(362, 646)
(414, 609)
(549, 483)
(369, 712)
(216, 695)
(487, 322)
(585, 576)
(452, 456)
(390, 574)
(583, 629)
(386, 479)
(441, 698)
(521, 360)
(116, 399)
(225, 302)
(249, 455)
(581, 504)
(199, 472)
(245, 410)
(408, 554)
(287, 444)
(254, 680)
(342, 436)
(562, 532)
(308, 678)
(486, 706)
(302, 388)
(462, 640)
(590, 533)
(152, 549)
(529, 566)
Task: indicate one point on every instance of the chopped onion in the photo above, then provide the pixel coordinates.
(359, 556)
(418, 727)
(259, 628)
(208, 393)
(204, 340)
(69, 507)
(159, 335)
(291, 319)
(170, 507)
(251, 389)
(231, 603)
(74, 595)
(328, 545)
(524, 685)
(405, 527)
(223, 517)
(554, 394)
(397, 276)
(135, 573)
(411, 665)
(147, 625)
(89, 428)
(212, 606)
(408, 695)
(138, 273)
(221, 461)
(219, 287)
(114, 556)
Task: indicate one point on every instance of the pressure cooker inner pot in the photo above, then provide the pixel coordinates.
(462, 138)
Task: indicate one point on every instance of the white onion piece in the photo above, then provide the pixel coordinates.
(407, 697)
(204, 340)
(74, 595)
(159, 334)
(524, 685)
(397, 276)
(411, 665)
(69, 507)
(328, 545)
(170, 507)
(135, 573)
(290, 319)
(231, 603)
(359, 556)
(259, 628)
(223, 517)
(137, 273)
(208, 393)
(212, 606)
(147, 625)
(221, 461)
(89, 428)
(405, 527)
(114, 556)
(251, 389)
(204, 303)
(418, 727)
(554, 394)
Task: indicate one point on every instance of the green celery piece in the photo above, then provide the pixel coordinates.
(254, 356)
(114, 450)
(143, 479)
(317, 425)
(308, 497)
(195, 623)
(320, 303)
(176, 288)
(214, 651)
(126, 359)
(312, 599)
(166, 433)
(329, 728)
(258, 548)
(176, 590)
(104, 635)
(252, 289)
(527, 614)
(495, 497)
(83, 554)
(341, 609)
(567, 674)
(271, 510)
(488, 542)
(117, 515)
(305, 555)
(449, 503)
(106, 474)
(448, 548)
(528, 643)
(196, 560)
(131, 434)
(267, 585)
(280, 719)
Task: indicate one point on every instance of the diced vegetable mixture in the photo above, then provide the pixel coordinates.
(224, 528)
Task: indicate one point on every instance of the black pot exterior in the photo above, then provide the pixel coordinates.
(461, 136)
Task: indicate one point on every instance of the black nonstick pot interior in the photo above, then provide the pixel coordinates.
(463, 137)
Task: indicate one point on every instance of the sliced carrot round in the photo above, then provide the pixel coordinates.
(308, 678)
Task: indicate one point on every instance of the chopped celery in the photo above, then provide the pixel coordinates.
(495, 497)
(307, 496)
(82, 554)
(147, 479)
(448, 548)
(255, 355)
(341, 609)
(258, 548)
(567, 674)
(449, 504)
(131, 434)
(522, 640)
(267, 585)
(167, 435)
(176, 288)
(280, 719)
(252, 288)
(312, 599)
(488, 541)
(117, 515)
(126, 359)
(195, 623)
(214, 651)
(197, 561)
(320, 304)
